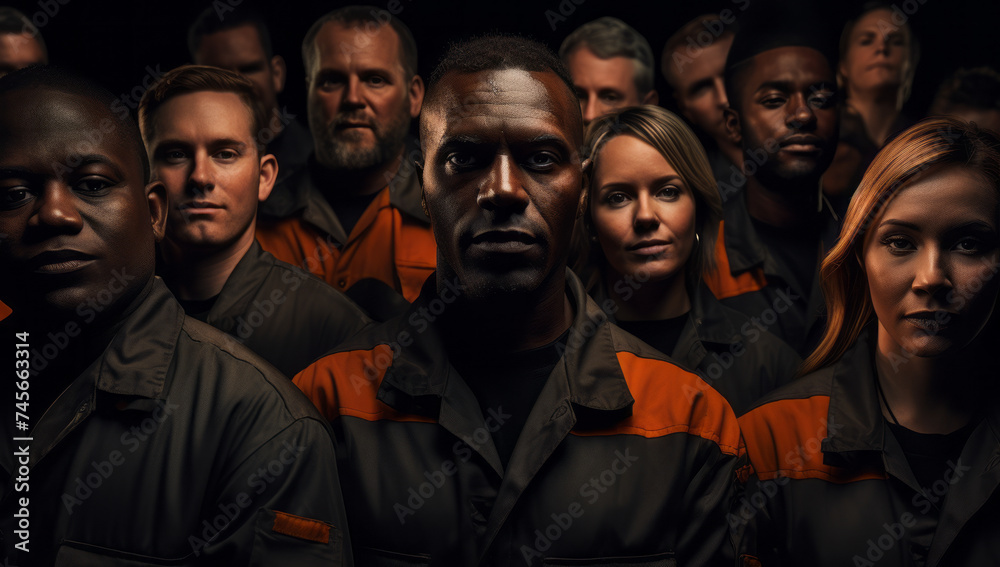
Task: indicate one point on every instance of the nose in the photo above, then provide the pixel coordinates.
(722, 101)
(502, 190)
(931, 275)
(590, 108)
(802, 117)
(57, 209)
(200, 181)
(645, 214)
(352, 93)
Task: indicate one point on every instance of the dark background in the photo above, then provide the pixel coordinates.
(115, 40)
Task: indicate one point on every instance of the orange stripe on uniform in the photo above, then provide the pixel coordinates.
(784, 438)
(346, 383)
(302, 528)
(721, 280)
(669, 399)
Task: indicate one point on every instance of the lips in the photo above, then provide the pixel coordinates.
(930, 321)
(649, 247)
(59, 261)
(504, 241)
(199, 207)
(802, 143)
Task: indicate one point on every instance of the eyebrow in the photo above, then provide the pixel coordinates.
(657, 181)
(964, 226)
(89, 159)
(170, 142)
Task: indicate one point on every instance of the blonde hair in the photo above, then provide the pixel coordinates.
(669, 135)
(928, 146)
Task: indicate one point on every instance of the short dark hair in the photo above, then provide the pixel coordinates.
(15, 22)
(368, 16)
(53, 78)
(977, 88)
(609, 37)
(209, 22)
(686, 34)
(200, 78)
(496, 52)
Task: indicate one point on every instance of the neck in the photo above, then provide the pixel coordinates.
(927, 395)
(648, 301)
(508, 324)
(878, 109)
(194, 275)
(791, 208)
(364, 181)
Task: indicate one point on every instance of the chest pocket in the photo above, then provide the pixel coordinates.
(666, 559)
(76, 554)
(380, 558)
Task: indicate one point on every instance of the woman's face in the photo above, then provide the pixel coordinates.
(878, 52)
(642, 211)
(932, 261)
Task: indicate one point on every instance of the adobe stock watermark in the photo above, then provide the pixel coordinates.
(877, 547)
(418, 322)
(85, 486)
(256, 483)
(87, 310)
(419, 495)
(694, 44)
(809, 450)
(591, 491)
(49, 10)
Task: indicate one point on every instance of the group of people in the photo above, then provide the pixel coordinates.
(564, 327)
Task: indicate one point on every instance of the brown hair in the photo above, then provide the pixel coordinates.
(669, 135)
(929, 146)
(913, 47)
(199, 78)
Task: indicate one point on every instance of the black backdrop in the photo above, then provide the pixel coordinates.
(114, 41)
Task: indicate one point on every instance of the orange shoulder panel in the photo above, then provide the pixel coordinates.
(722, 282)
(346, 383)
(784, 439)
(416, 255)
(669, 399)
(290, 240)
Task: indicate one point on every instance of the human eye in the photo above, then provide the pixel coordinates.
(669, 193)
(226, 155)
(376, 81)
(173, 156)
(616, 198)
(329, 82)
(93, 185)
(611, 97)
(822, 99)
(772, 100)
(897, 244)
(461, 160)
(13, 197)
(541, 160)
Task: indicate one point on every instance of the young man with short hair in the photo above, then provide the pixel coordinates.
(198, 123)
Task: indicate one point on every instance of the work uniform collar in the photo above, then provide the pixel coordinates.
(301, 194)
(596, 381)
(854, 420)
(131, 373)
(241, 287)
(744, 248)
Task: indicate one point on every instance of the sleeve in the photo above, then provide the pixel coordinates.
(707, 538)
(752, 518)
(282, 505)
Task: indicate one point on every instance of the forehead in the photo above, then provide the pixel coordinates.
(340, 45)
(946, 197)
(39, 124)
(709, 62)
(877, 21)
(204, 114)
(589, 69)
(241, 41)
(503, 103)
(792, 64)
(19, 49)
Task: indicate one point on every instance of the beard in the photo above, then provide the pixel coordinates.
(344, 149)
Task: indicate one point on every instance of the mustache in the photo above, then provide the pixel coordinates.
(343, 120)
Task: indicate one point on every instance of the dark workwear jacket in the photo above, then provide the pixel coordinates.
(625, 457)
(391, 242)
(723, 346)
(284, 314)
(832, 485)
(177, 446)
(747, 277)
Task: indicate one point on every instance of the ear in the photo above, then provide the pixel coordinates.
(416, 94)
(156, 199)
(652, 97)
(268, 175)
(733, 126)
(279, 72)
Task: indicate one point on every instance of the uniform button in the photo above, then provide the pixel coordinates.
(342, 283)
